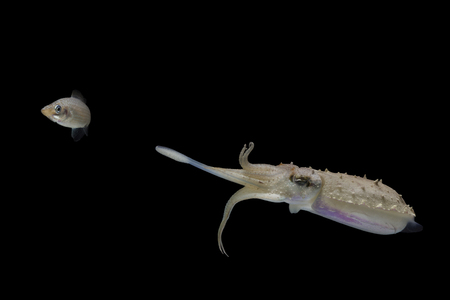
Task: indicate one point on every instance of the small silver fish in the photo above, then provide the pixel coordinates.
(70, 112)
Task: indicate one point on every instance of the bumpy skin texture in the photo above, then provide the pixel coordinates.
(354, 201)
(362, 191)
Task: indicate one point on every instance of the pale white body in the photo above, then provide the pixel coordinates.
(70, 112)
(354, 201)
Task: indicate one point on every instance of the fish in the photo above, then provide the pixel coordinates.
(70, 112)
(354, 201)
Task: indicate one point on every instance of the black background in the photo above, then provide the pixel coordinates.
(350, 100)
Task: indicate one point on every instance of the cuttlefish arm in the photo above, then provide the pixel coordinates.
(243, 194)
(256, 179)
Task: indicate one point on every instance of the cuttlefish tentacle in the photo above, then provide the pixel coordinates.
(235, 176)
(243, 194)
(257, 179)
(256, 175)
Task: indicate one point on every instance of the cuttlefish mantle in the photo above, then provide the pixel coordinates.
(354, 201)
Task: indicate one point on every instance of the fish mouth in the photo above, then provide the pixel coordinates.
(49, 113)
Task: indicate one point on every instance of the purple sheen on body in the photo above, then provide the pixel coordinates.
(359, 216)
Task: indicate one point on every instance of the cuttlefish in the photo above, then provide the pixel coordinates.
(354, 201)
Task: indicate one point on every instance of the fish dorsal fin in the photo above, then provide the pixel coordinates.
(77, 94)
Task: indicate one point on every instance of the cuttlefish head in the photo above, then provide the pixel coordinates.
(292, 184)
(57, 111)
(300, 185)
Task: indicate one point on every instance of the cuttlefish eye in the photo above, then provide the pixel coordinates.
(302, 180)
(57, 109)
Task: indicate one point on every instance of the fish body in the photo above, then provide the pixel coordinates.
(70, 112)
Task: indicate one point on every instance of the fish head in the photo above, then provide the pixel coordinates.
(58, 111)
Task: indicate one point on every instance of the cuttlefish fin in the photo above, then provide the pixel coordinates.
(242, 194)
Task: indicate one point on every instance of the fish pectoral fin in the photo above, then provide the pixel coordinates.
(78, 133)
(243, 194)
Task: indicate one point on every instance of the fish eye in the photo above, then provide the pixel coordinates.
(302, 181)
(57, 109)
